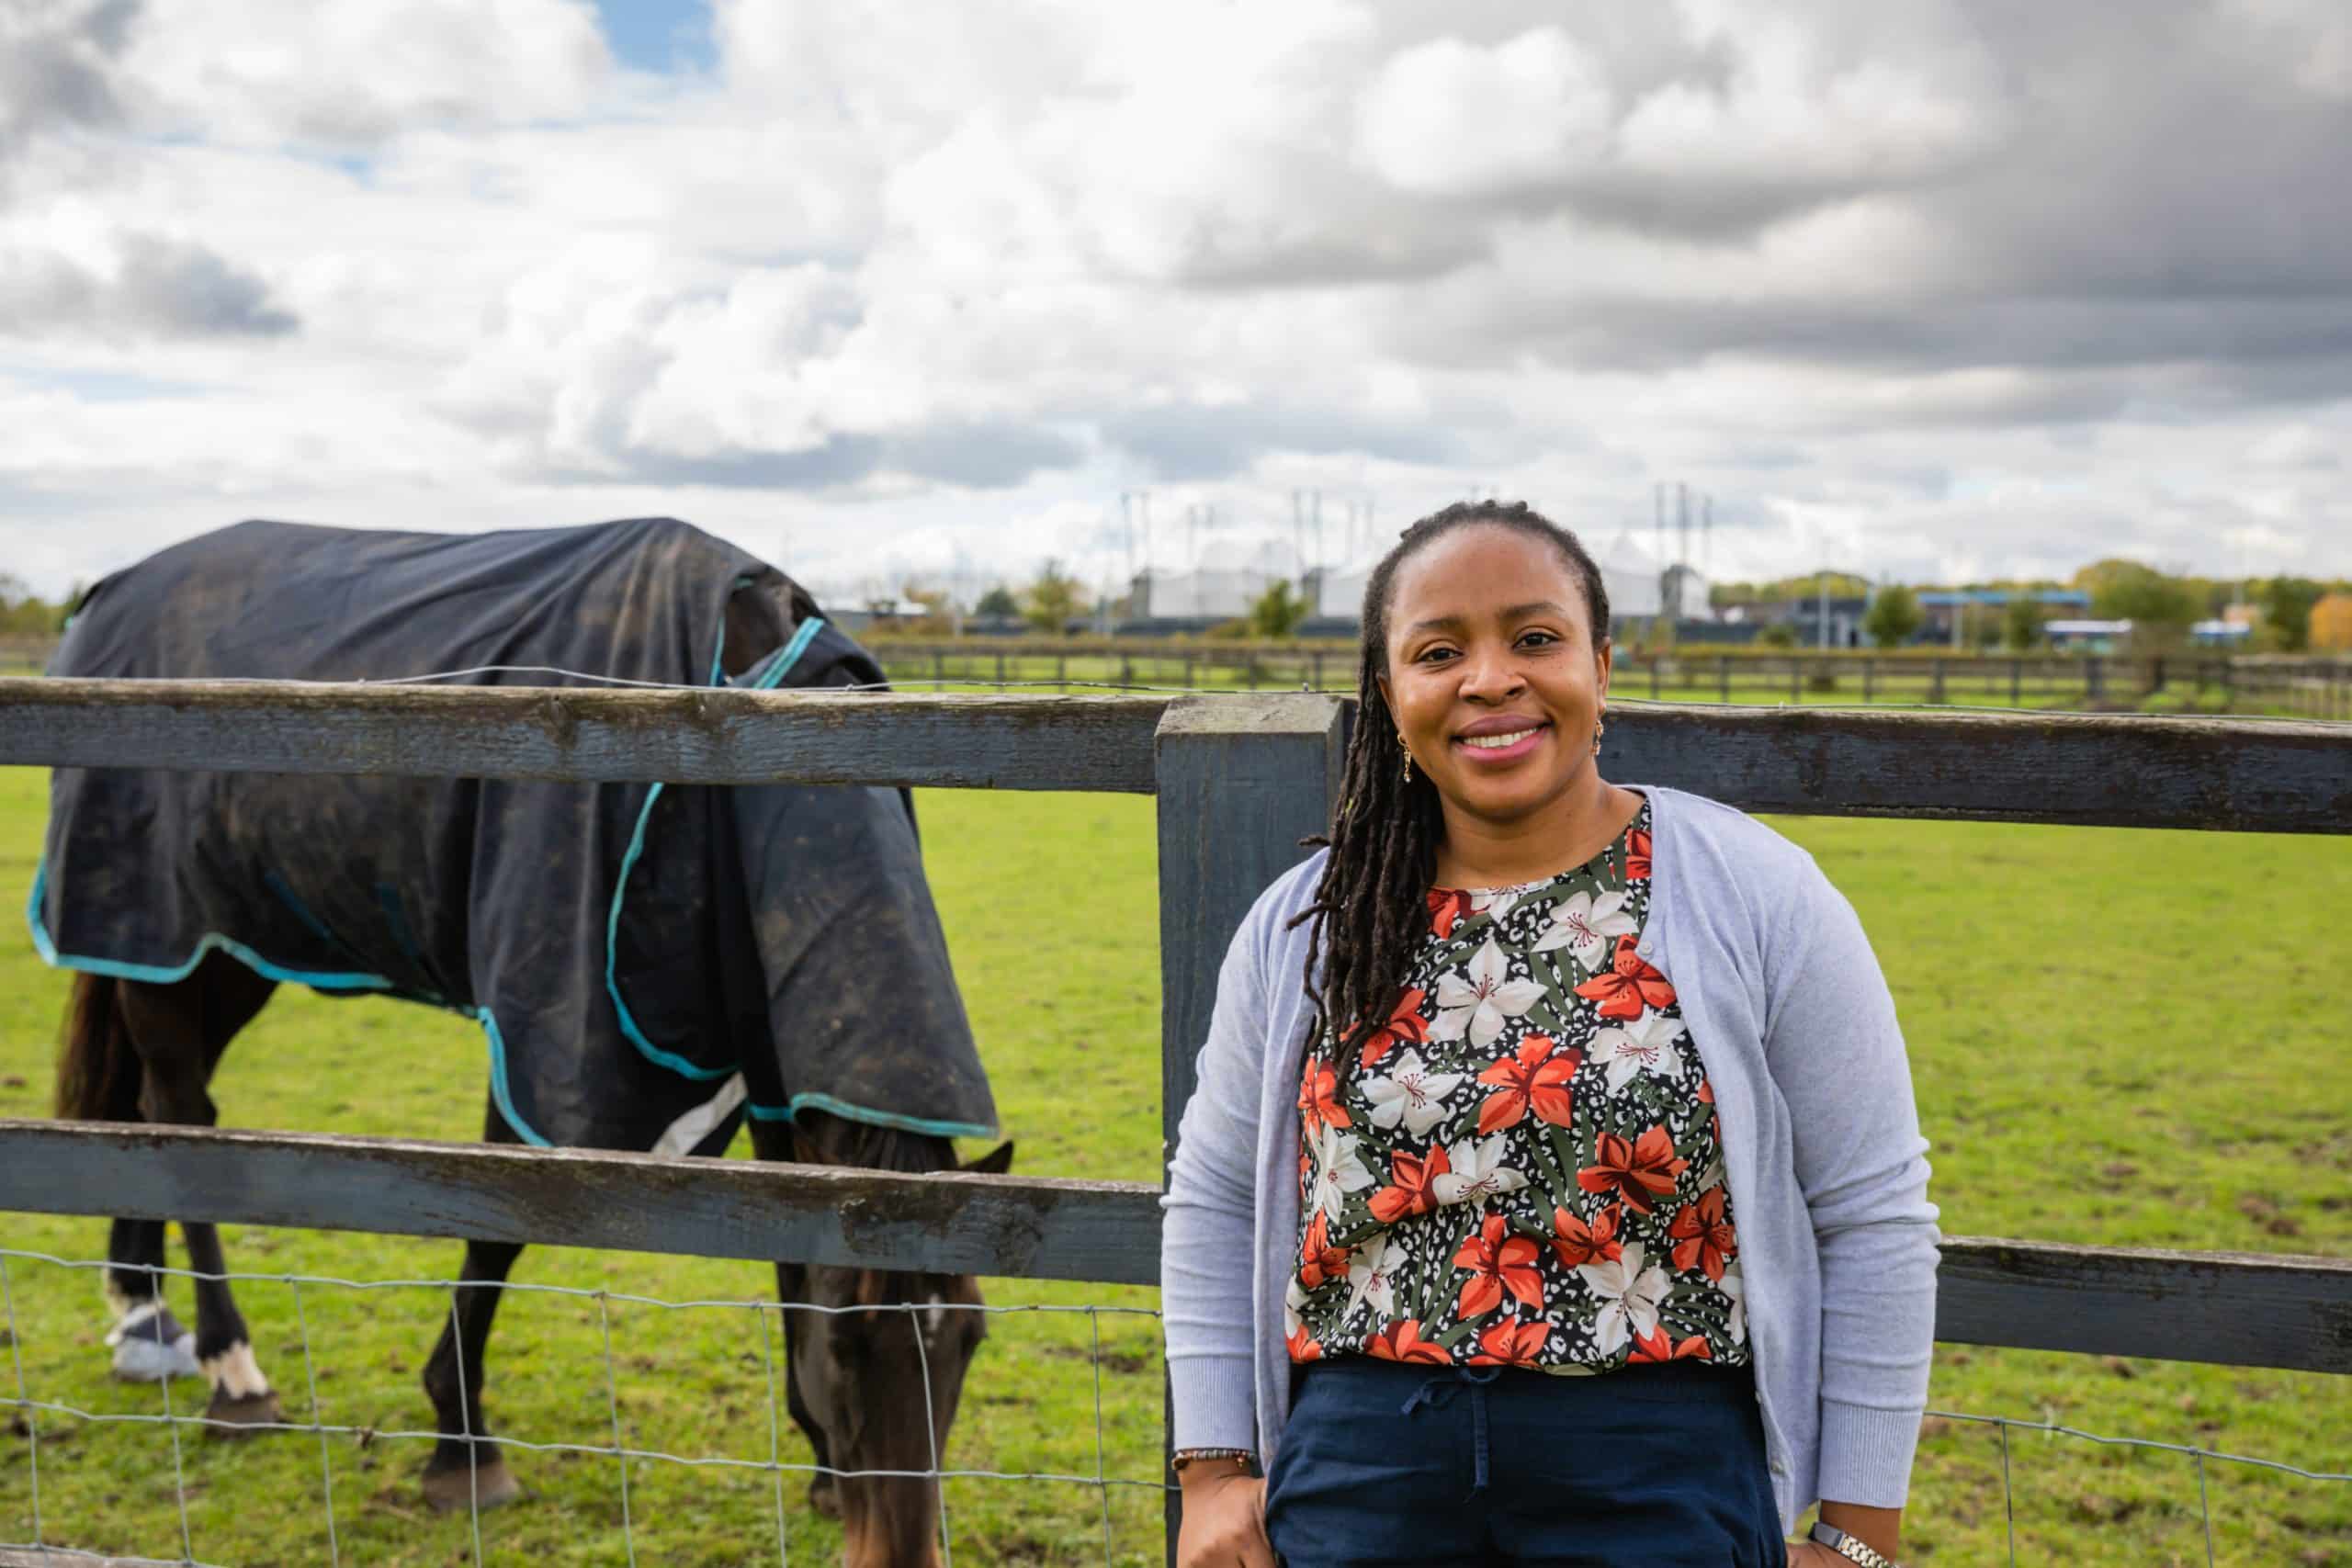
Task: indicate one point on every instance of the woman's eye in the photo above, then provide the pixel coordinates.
(1536, 640)
(1434, 656)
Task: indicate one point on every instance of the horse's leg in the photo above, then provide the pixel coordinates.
(179, 1031)
(465, 1472)
(773, 1141)
(149, 1343)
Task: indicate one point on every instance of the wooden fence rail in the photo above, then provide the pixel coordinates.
(2082, 769)
(2231, 1308)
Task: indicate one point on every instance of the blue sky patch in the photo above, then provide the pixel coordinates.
(659, 36)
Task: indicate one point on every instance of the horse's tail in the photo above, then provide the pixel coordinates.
(97, 1070)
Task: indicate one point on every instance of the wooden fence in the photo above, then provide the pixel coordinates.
(2213, 683)
(1239, 780)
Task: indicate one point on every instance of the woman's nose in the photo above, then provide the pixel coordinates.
(1489, 674)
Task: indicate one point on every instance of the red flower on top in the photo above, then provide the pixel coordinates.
(1319, 1260)
(1497, 1264)
(1318, 1095)
(1413, 1176)
(1628, 985)
(1527, 1078)
(1447, 907)
(1657, 1345)
(1703, 1236)
(1403, 1342)
(1637, 855)
(1508, 1344)
(1639, 1172)
(1405, 1026)
(1579, 1243)
(1303, 1346)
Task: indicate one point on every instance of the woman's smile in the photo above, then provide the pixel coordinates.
(1500, 741)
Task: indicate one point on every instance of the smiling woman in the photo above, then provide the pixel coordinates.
(1589, 1168)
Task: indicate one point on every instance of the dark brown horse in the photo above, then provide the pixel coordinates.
(783, 932)
(137, 1051)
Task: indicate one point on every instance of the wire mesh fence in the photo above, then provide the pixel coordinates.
(39, 1416)
(178, 1412)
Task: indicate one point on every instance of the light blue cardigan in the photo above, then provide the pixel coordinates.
(1828, 1173)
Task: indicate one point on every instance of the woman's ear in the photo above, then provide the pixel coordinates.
(1380, 683)
(1602, 660)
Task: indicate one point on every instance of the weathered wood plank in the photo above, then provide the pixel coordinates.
(718, 736)
(2117, 771)
(2105, 769)
(1239, 786)
(68, 1557)
(955, 1223)
(2234, 1308)
(1239, 783)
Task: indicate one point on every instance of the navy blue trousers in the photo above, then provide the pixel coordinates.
(1659, 1467)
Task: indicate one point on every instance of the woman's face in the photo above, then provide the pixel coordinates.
(1495, 676)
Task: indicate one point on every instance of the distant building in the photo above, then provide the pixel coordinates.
(2087, 635)
(1683, 593)
(1950, 613)
(2224, 633)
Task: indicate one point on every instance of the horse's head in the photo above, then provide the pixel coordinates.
(872, 1056)
(878, 1367)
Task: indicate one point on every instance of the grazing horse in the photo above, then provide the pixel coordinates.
(648, 966)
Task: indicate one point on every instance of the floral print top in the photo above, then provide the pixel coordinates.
(1522, 1167)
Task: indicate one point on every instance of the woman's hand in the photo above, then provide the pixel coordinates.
(1225, 1521)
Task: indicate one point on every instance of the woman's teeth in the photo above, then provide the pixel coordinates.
(1496, 742)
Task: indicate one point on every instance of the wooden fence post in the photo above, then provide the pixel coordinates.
(1723, 674)
(1240, 783)
(1870, 673)
(2016, 682)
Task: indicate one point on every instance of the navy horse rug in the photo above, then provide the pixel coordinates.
(649, 963)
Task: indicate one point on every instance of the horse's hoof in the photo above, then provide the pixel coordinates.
(140, 1360)
(825, 1498)
(235, 1416)
(490, 1485)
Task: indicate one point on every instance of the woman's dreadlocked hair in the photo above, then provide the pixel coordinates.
(1369, 909)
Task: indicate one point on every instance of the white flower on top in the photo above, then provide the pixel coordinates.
(1477, 998)
(1294, 1307)
(1411, 1094)
(1628, 1296)
(1495, 902)
(1477, 1172)
(1645, 1045)
(1732, 1285)
(1339, 1170)
(1586, 925)
(1375, 1280)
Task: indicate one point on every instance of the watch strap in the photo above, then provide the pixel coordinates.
(1847, 1546)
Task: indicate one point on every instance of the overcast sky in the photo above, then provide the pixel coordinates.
(1923, 288)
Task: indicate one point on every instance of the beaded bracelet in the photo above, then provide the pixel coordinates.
(1189, 1455)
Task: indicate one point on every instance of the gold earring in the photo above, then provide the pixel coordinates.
(1597, 727)
(1409, 756)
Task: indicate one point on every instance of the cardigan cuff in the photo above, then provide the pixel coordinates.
(1866, 1454)
(1213, 1401)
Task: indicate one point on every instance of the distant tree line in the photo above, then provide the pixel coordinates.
(2298, 614)
(26, 614)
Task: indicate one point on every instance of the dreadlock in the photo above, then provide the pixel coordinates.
(1369, 909)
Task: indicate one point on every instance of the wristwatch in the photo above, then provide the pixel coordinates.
(1847, 1546)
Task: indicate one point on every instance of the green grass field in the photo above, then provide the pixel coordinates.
(2118, 1037)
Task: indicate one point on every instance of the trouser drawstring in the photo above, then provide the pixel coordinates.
(1437, 1392)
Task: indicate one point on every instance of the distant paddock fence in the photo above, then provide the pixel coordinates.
(2192, 681)
(1239, 780)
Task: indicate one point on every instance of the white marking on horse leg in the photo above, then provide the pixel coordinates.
(235, 1372)
(129, 1316)
(141, 1353)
